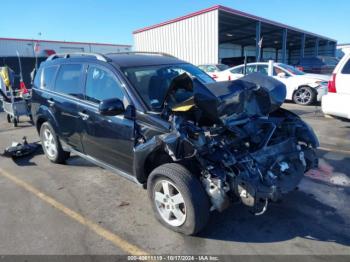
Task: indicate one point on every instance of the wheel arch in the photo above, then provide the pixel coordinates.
(45, 115)
(304, 85)
(149, 162)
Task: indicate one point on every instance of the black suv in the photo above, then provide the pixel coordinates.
(196, 145)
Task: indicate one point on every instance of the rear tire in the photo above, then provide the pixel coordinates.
(8, 117)
(31, 119)
(194, 203)
(15, 121)
(51, 144)
(305, 96)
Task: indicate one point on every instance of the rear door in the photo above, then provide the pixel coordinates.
(68, 92)
(343, 78)
(109, 139)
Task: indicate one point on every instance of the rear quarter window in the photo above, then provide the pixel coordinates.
(68, 80)
(37, 78)
(238, 70)
(48, 76)
(346, 68)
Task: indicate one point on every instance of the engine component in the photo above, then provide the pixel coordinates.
(217, 192)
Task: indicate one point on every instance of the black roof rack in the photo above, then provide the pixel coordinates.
(69, 55)
(141, 52)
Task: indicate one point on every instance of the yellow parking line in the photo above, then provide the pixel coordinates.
(333, 150)
(115, 239)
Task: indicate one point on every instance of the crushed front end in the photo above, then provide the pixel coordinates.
(255, 161)
(239, 141)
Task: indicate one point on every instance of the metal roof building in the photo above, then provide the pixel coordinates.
(209, 35)
(43, 48)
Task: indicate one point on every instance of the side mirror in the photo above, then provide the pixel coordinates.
(111, 107)
(282, 75)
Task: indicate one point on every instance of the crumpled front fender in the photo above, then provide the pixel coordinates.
(305, 132)
(173, 144)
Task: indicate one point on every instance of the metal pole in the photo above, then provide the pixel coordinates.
(317, 46)
(328, 51)
(302, 46)
(245, 63)
(257, 40)
(270, 68)
(284, 45)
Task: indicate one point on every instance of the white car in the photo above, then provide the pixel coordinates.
(302, 88)
(337, 101)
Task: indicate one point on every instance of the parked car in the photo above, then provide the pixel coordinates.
(302, 88)
(195, 144)
(235, 61)
(317, 65)
(337, 101)
(213, 69)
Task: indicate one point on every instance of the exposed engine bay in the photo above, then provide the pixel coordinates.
(237, 139)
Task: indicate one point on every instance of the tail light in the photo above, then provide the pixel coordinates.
(331, 84)
(214, 76)
(229, 78)
(300, 68)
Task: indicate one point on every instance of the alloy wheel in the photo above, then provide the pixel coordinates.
(49, 143)
(303, 96)
(170, 203)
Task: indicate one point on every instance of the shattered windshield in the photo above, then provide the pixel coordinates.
(153, 82)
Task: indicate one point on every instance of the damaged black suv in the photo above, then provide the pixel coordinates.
(195, 144)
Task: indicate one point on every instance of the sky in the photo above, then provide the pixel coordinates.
(113, 21)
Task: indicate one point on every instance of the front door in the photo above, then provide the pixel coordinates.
(109, 139)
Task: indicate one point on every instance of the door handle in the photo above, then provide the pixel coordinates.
(83, 116)
(51, 102)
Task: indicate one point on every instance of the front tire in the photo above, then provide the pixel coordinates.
(15, 121)
(178, 199)
(305, 95)
(51, 145)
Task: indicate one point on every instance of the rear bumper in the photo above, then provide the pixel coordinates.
(321, 91)
(336, 104)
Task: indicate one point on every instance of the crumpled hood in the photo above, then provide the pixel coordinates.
(252, 95)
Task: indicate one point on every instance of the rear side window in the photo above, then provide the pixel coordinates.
(211, 69)
(48, 76)
(101, 85)
(238, 70)
(68, 80)
(37, 79)
(252, 69)
(263, 69)
(346, 68)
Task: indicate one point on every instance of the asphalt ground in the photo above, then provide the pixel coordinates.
(81, 209)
